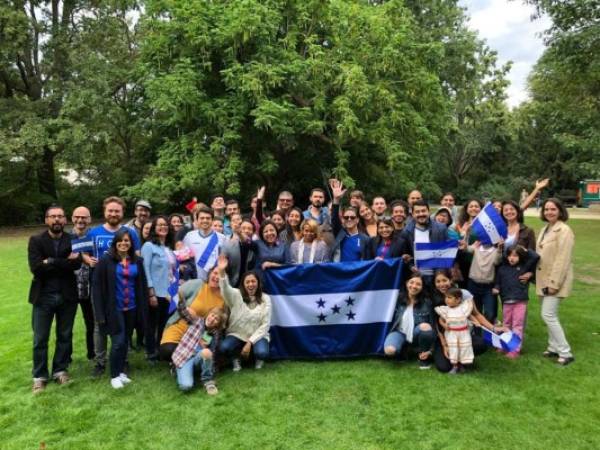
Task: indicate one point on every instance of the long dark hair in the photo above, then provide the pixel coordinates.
(119, 235)
(421, 296)
(244, 292)
(153, 237)
(264, 225)
(437, 296)
(464, 215)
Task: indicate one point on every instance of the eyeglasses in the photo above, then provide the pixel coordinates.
(349, 217)
(81, 217)
(285, 200)
(56, 216)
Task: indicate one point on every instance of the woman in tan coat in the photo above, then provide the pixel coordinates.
(555, 275)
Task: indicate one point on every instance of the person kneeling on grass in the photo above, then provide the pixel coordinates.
(250, 316)
(196, 350)
(413, 323)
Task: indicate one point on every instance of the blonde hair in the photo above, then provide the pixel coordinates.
(313, 225)
(221, 314)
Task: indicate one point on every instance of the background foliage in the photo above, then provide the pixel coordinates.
(165, 100)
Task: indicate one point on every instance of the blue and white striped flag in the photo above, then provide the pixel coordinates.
(435, 255)
(333, 309)
(173, 288)
(489, 225)
(507, 341)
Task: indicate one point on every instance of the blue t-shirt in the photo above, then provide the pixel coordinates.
(102, 238)
(126, 275)
(350, 248)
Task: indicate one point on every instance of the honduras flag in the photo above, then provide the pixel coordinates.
(489, 226)
(508, 341)
(173, 288)
(82, 245)
(435, 255)
(333, 309)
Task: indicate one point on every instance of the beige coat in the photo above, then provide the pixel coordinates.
(555, 267)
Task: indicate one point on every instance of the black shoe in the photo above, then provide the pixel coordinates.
(424, 364)
(98, 370)
(565, 361)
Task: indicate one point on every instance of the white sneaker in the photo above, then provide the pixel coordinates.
(260, 363)
(116, 383)
(237, 365)
(124, 378)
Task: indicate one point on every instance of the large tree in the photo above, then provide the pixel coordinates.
(287, 93)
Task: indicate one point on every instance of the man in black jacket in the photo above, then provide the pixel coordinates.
(53, 293)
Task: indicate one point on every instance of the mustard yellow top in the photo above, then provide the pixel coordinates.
(205, 300)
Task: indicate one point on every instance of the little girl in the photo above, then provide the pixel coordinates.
(512, 283)
(454, 318)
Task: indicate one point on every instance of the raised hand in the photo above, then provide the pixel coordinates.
(337, 189)
(261, 193)
(541, 184)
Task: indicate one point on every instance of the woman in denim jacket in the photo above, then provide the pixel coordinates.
(413, 323)
(159, 265)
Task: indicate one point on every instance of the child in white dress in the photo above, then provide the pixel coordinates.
(454, 317)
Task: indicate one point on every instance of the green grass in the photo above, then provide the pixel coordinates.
(364, 404)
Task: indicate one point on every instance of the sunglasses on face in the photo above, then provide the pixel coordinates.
(349, 217)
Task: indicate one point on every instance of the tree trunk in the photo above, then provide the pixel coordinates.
(46, 176)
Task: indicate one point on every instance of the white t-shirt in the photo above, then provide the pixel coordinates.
(198, 243)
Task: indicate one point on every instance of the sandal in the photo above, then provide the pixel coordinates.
(564, 361)
(549, 354)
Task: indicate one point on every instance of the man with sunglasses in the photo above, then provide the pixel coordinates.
(285, 201)
(349, 242)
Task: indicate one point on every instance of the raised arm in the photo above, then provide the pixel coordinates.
(539, 185)
(231, 296)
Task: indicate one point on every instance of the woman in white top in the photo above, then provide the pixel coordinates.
(310, 249)
(249, 318)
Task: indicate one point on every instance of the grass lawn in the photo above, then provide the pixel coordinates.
(529, 403)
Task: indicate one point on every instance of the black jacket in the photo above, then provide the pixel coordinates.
(59, 270)
(507, 278)
(104, 294)
(398, 247)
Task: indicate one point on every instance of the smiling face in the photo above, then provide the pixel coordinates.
(212, 321)
(269, 234)
(123, 245)
(421, 214)
(366, 213)
(246, 230)
(443, 217)
(398, 214)
(294, 218)
(442, 283)
(218, 203)
(414, 286)
(250, 284)
(213, 279)
(142, 214)
(384, 230)
(278, 220)
(285, 202)
(81, 218)
(473, 208)
(551, 212)
(350, 219)
(176, 223)
(217, 225)
(162, 228)
(55, 220)
(448, 201)
(113, 214)
(509, 212)
(204, 222)
(236, 222)
(232, 208)
(308, 233)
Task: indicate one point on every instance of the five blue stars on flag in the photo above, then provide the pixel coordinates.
(336, 309)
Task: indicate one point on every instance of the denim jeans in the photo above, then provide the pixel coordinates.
(119, 342)
(232, 346)
(486, 302)
(422, 340)
(185, 374)
(43, 313)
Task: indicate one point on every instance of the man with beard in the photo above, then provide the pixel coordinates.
(399, 210)
(142, 215)
(379, 206)
(101, 238)
(53, 294)
(316, 210)
(423, 229)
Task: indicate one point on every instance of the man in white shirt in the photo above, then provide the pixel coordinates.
(204, 242)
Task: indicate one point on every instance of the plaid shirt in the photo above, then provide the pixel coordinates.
(188, 346)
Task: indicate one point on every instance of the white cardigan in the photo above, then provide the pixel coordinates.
(248, 322)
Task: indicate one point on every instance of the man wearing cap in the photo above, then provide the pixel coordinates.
(142, 215)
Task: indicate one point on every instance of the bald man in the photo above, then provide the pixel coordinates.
(81, 219)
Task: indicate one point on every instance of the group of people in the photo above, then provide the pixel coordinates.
(122, 277)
